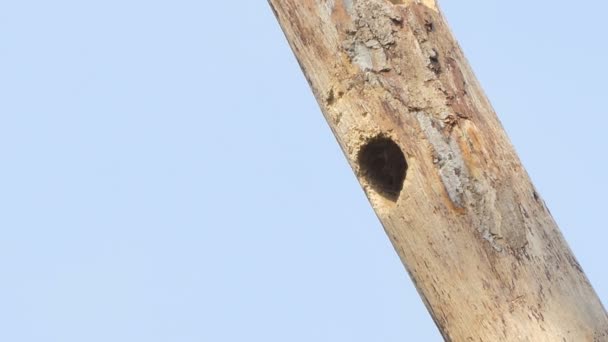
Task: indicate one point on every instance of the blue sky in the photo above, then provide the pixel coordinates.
(167, 175)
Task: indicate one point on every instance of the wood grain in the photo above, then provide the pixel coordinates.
(476, 238)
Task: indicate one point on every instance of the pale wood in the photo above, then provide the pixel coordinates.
(479, 243)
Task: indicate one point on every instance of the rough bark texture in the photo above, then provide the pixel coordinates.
(478, 241)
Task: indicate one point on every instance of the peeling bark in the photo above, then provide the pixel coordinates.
(476, 238)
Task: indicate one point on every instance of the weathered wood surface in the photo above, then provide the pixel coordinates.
(478, 241)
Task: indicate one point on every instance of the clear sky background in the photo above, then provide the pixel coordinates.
(166, 174)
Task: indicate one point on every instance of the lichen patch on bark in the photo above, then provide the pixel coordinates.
(447, 158)
(375, 24)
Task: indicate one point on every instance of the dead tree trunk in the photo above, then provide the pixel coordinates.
(478, 241)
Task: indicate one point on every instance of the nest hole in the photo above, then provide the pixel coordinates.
(382, 164)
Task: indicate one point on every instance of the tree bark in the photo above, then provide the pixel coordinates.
(440, 172)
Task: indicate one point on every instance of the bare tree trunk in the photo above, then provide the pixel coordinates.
(478, 241)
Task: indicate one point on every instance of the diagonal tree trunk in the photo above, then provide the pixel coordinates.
(478, 241)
